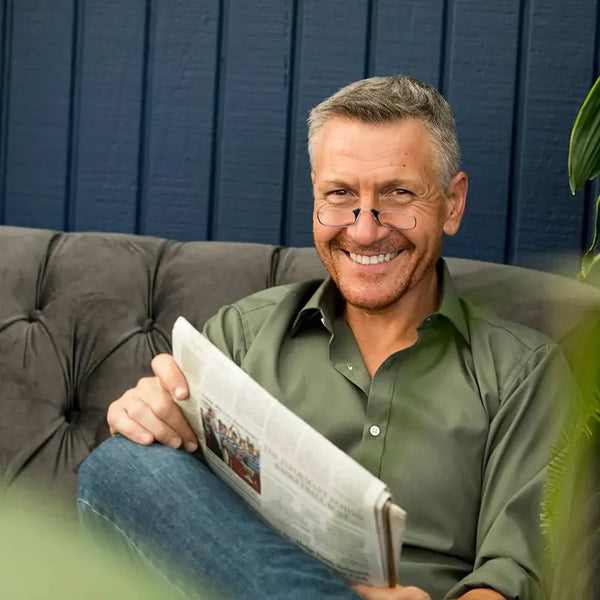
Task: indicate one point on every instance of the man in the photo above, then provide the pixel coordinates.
(450, 406)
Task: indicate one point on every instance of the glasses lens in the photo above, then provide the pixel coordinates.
(336, 217)
(397, 220)
(343, 217)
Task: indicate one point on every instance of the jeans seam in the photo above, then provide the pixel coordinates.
(176, 586)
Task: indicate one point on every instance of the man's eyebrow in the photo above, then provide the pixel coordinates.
(337, 183)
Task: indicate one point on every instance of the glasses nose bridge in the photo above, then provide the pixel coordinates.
(374, 214)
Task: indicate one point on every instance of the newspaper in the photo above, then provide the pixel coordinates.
(293, 477)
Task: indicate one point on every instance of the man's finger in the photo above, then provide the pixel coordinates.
(170, 376)
(166, 411)
(120, 422)
(143, 414)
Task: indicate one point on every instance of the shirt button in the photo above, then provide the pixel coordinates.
(428, 319)
(374, 430)
(349, 367)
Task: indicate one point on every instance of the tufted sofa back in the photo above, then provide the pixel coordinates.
(82, 314)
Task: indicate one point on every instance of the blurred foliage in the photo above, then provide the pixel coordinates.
(43, 557)
(571, 506)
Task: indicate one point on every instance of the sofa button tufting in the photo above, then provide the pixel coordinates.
(35, 315)
(147, 326)
(70, 415)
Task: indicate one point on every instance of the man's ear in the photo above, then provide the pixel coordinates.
(455, 200)
(312, 178)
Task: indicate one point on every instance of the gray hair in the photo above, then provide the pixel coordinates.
(392, 99)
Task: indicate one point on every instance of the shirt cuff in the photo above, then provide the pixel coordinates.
(502, 575)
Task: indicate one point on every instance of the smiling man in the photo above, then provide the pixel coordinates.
(452, 407)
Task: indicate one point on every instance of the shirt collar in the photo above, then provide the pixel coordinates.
(322, 304)
(326, 298)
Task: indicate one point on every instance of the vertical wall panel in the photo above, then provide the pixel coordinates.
(331, 54)
(480, 86)
(560, 51)
(180, 119)
(406, 38)
(38, 105)
(5, 35)
(107, 119)
(253, 132)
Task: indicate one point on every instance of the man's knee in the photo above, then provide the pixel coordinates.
(116, 472)
(104, 465)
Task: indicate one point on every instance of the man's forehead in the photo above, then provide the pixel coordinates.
(393, 151)
(372, 140)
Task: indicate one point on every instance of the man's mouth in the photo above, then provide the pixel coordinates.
(363, 259)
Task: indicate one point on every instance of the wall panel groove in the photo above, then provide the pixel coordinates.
(70, 216)
(371, 41)
(145, 120)
(516, 132)
(219, 107)
(291, 123)
(445, 45)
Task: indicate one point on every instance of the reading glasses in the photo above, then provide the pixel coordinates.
(346, 217)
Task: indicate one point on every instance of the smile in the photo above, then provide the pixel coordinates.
(362, 259)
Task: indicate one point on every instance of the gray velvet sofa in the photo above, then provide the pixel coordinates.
(82, 314)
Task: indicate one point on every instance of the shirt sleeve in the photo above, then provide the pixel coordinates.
(510, 550)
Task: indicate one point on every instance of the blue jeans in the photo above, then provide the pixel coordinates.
(170, 509)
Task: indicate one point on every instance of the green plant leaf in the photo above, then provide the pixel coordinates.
(590, 258)
(584, 147)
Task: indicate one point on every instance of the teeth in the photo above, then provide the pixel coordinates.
(362, 259)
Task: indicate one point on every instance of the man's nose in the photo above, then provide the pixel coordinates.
(366, 230)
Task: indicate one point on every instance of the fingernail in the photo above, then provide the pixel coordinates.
(146, 438)
(174, 442)
(180, 393)
(191, 447)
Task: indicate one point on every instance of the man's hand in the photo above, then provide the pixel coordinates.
(482, 594)
(148, 413)
(384, 593)
(414, 593)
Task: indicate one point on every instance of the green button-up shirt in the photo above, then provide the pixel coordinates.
(459, 425)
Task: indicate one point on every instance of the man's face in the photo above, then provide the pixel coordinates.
(385, 167)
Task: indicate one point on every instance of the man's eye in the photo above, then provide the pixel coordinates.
(401, 192)
(337, 193)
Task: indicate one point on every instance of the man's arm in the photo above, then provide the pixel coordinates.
(510, 551)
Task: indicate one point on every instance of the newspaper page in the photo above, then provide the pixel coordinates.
(292, 476)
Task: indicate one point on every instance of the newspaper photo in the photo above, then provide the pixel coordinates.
(299, 482)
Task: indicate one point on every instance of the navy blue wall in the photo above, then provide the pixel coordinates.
(186, 118)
